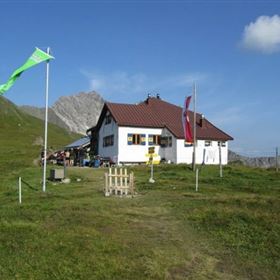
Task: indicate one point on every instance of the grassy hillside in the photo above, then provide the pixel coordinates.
(22, 135)
(230, 229)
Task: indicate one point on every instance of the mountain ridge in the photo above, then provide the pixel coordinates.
(76, 112)
(262, 162)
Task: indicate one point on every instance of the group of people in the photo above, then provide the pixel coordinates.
(71, 157)
(59, 157)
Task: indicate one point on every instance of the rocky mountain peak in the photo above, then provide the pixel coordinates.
(80, 111)
(76, 112)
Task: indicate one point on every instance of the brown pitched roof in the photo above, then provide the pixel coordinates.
(157, 113)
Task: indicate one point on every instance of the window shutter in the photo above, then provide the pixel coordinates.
(150, 139)
(129, 139)
(143, 139)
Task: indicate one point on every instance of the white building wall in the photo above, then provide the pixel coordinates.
(210, 154)
(135, 153)
(183, 154)
(106, 130)
(177, 153)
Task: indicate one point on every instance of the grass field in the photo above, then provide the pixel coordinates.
(228, 230)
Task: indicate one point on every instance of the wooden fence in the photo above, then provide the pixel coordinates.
(119, 182)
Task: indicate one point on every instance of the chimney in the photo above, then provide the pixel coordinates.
(202, 121)
(148, 97)
(158, 96)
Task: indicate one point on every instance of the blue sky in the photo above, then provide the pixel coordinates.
(127, 49)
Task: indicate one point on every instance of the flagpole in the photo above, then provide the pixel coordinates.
(194, 125)
(46, 122)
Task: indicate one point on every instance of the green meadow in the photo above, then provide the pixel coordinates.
(21, 138)
(229, 229)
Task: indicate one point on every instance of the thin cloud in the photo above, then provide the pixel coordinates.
(183, 80)
(123, 84)
(228, 116)
(263, 35)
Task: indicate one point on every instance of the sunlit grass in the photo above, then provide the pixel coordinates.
(168, 231)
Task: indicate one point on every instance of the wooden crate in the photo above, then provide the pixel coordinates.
(56, 174)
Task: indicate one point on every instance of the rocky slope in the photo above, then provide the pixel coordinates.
(263, 162)
(40, 114)
(76, 113)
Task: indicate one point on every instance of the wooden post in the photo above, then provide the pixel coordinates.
(125, 178)
(121, 177)
(131, 183)
(133, 186)
(107, 187)
(110, 177)
(116, 177)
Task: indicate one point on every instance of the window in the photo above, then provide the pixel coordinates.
(136, 139)
(166, 141)
(108, 119)
(188, 144)
(222, 143)
(108, 141)
(154, 139)
(208, 143)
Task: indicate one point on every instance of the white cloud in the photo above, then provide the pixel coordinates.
(263, 35)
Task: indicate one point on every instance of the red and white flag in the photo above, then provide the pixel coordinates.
(186, 121)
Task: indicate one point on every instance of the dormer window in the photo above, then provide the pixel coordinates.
(108, 119)
(208, 143)
(108, 140)
(222, 143)
(166, 141)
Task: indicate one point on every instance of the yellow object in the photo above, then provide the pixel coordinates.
(153, 159)
(155, 162)
(151, 155)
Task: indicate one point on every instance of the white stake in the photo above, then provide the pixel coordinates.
(220, 159)
(19, 190)
(46, 123)
(151, 180)
(196, 180)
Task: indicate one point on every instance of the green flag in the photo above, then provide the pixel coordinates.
(37, 57)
